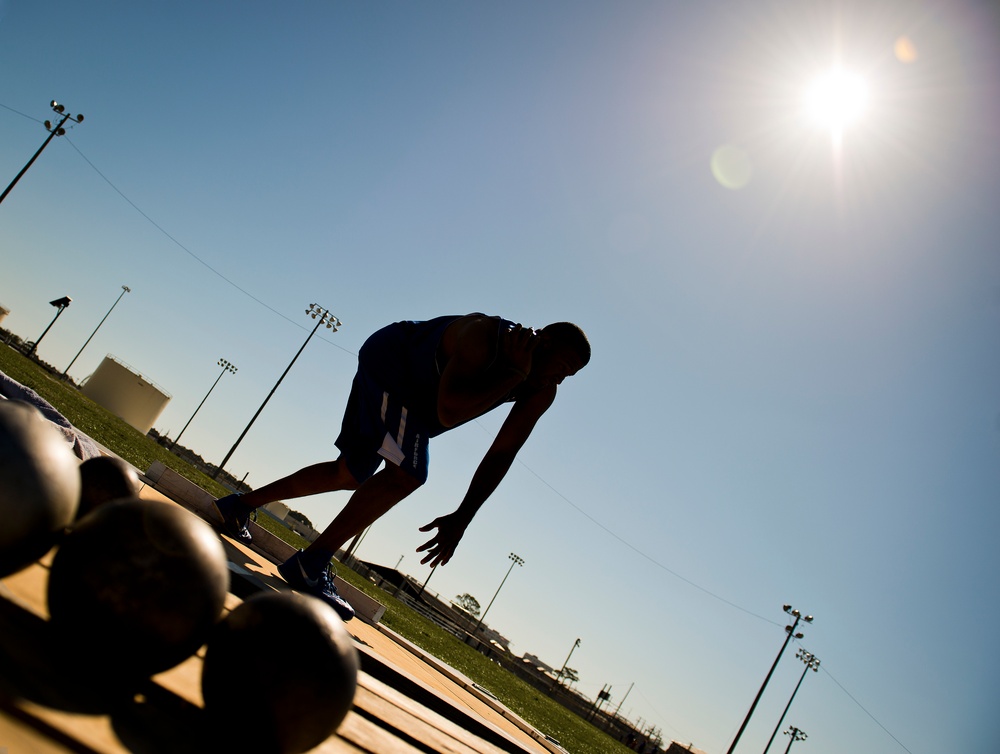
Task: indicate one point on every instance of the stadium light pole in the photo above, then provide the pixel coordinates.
(424, 585)
(355, 543)
(515, 560)
(60, 304)
(790, 631)
(618, 708)
(226, 367)
(125, 289)
(322, 317)
(812, 663)
(54, 131)
(796, 735)
(563, 669)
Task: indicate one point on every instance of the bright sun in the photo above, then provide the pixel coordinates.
(836, 99)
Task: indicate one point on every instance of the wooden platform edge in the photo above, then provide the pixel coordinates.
(473, 689)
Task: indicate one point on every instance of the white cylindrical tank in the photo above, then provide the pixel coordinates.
(126, 393)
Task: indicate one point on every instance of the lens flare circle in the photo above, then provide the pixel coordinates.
(905, 50)
(731, 166)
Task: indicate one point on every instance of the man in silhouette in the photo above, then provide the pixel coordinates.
(416, 380)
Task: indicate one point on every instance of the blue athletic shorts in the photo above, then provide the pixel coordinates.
(378, 427)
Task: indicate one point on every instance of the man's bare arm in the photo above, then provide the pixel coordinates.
(492, 469)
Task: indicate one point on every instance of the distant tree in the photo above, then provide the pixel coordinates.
(301, 518)
(468, 603)
(569, 675)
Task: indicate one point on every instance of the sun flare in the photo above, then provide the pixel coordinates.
(836, 99)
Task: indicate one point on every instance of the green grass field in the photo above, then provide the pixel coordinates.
(573, 733)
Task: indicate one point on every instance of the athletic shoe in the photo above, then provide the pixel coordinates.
(293, 571)
(235, 517)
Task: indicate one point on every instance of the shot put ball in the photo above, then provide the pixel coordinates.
(136, 586)
(103, 479)
(300, 682)
(39, 485)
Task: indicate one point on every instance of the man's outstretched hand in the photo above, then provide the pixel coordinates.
(441, 546)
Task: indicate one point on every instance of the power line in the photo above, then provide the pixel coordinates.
(827, 671)
(660, 716)
(18, 112)
(642, 554)
(188, 251)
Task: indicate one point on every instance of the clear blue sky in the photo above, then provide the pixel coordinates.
(795, 390)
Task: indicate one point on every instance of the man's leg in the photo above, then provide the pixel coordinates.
(308, 570)
(321, 477)
(372, 500)
(328, 476)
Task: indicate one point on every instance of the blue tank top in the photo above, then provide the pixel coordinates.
(404, 359)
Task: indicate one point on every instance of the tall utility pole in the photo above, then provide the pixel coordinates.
(602, 697)
(60, 304)
(812, 663)
(355, 543)
(125, 289)
(54, 131)
(226, 367)
(515, 560)
(790, 631)
(624, 698)
(322, 317)
(559, 675)
(424, 585)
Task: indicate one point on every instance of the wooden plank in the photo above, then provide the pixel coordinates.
(28, 588)
(73, 731)
(437, 697)
(21, 733)
(410, 721)
(365, 736)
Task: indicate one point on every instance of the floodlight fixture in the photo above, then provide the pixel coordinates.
(796, 735)
(56, 130)
(60, 304)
